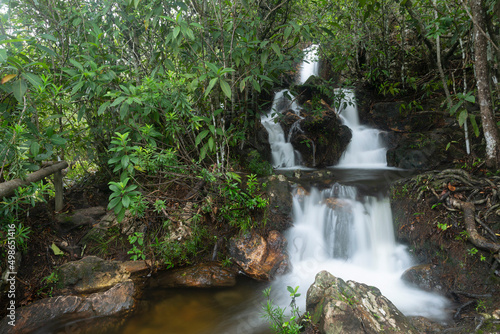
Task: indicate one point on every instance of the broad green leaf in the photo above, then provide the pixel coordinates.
(76, 64)
(34, 148)
(58, 140)
(276, 49)
(288, 31)
(470, 98)
(255, 85)
(47, 50)
(124, 161)
(462, 117)
(81, 112)
(210, 86)
(126, 201)
(225, 88)
(242, 85)
(17, 40)
(76, 88)
(201, 136)
(136, 3)
(212, 67)
(177, 30)
(124, 110)
(211, 143)
(33, 79)
(114, 202)
(118, 101)
(103, 107)
(475, 126)
(3, 55)
(49, 37)
(19, 88)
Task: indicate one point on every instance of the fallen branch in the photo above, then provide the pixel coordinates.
(8, 188)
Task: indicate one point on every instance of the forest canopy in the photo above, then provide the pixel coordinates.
(148, 87)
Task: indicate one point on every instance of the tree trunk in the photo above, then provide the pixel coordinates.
(483, 89)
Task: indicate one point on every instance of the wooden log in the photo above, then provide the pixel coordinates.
(8, 188)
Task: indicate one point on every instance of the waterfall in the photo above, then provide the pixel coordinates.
(367, 148)
(352, 237)
(283, 154)
(310, 65)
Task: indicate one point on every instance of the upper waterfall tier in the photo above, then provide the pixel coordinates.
(310, 64)
(367, 148)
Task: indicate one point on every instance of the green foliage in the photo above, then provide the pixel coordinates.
(136, 240)
(123, 197)
(239, 205)
(14, 208)
(279, 321)
(259, 166)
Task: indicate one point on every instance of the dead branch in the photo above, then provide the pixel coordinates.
(8, 188)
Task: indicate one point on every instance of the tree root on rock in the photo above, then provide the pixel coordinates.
(469, 221)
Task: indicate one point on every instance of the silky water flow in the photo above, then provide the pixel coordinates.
(349, 234)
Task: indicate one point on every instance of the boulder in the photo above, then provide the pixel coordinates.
(259, 258)
(90, 274)
(350, 307)
(426, 277)
(207, 275)
(114, 301)
(318, 136)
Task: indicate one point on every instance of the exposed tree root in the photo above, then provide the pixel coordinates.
(477, 197)
(469, 220)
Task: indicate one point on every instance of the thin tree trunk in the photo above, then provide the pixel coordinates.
(483, 89)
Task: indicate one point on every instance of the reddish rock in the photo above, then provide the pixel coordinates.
(259, 258)
(111, 302)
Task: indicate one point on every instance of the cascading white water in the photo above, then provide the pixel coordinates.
(366, 149)
(349, 235)
(310, 65)
(353, 238)
(283, 154)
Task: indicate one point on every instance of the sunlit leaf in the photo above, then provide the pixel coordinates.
(8, 77)
(56, 249)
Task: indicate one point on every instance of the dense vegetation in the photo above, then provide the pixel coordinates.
(163, 95)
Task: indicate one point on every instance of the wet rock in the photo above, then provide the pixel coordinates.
(423, 150)
(90, 274)
(114, 301)
(321, 138)
(259, 258)
(200, 276)
(338, 204)
(349, 307)
(280, 202)
(424, 325)
(426, 277)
